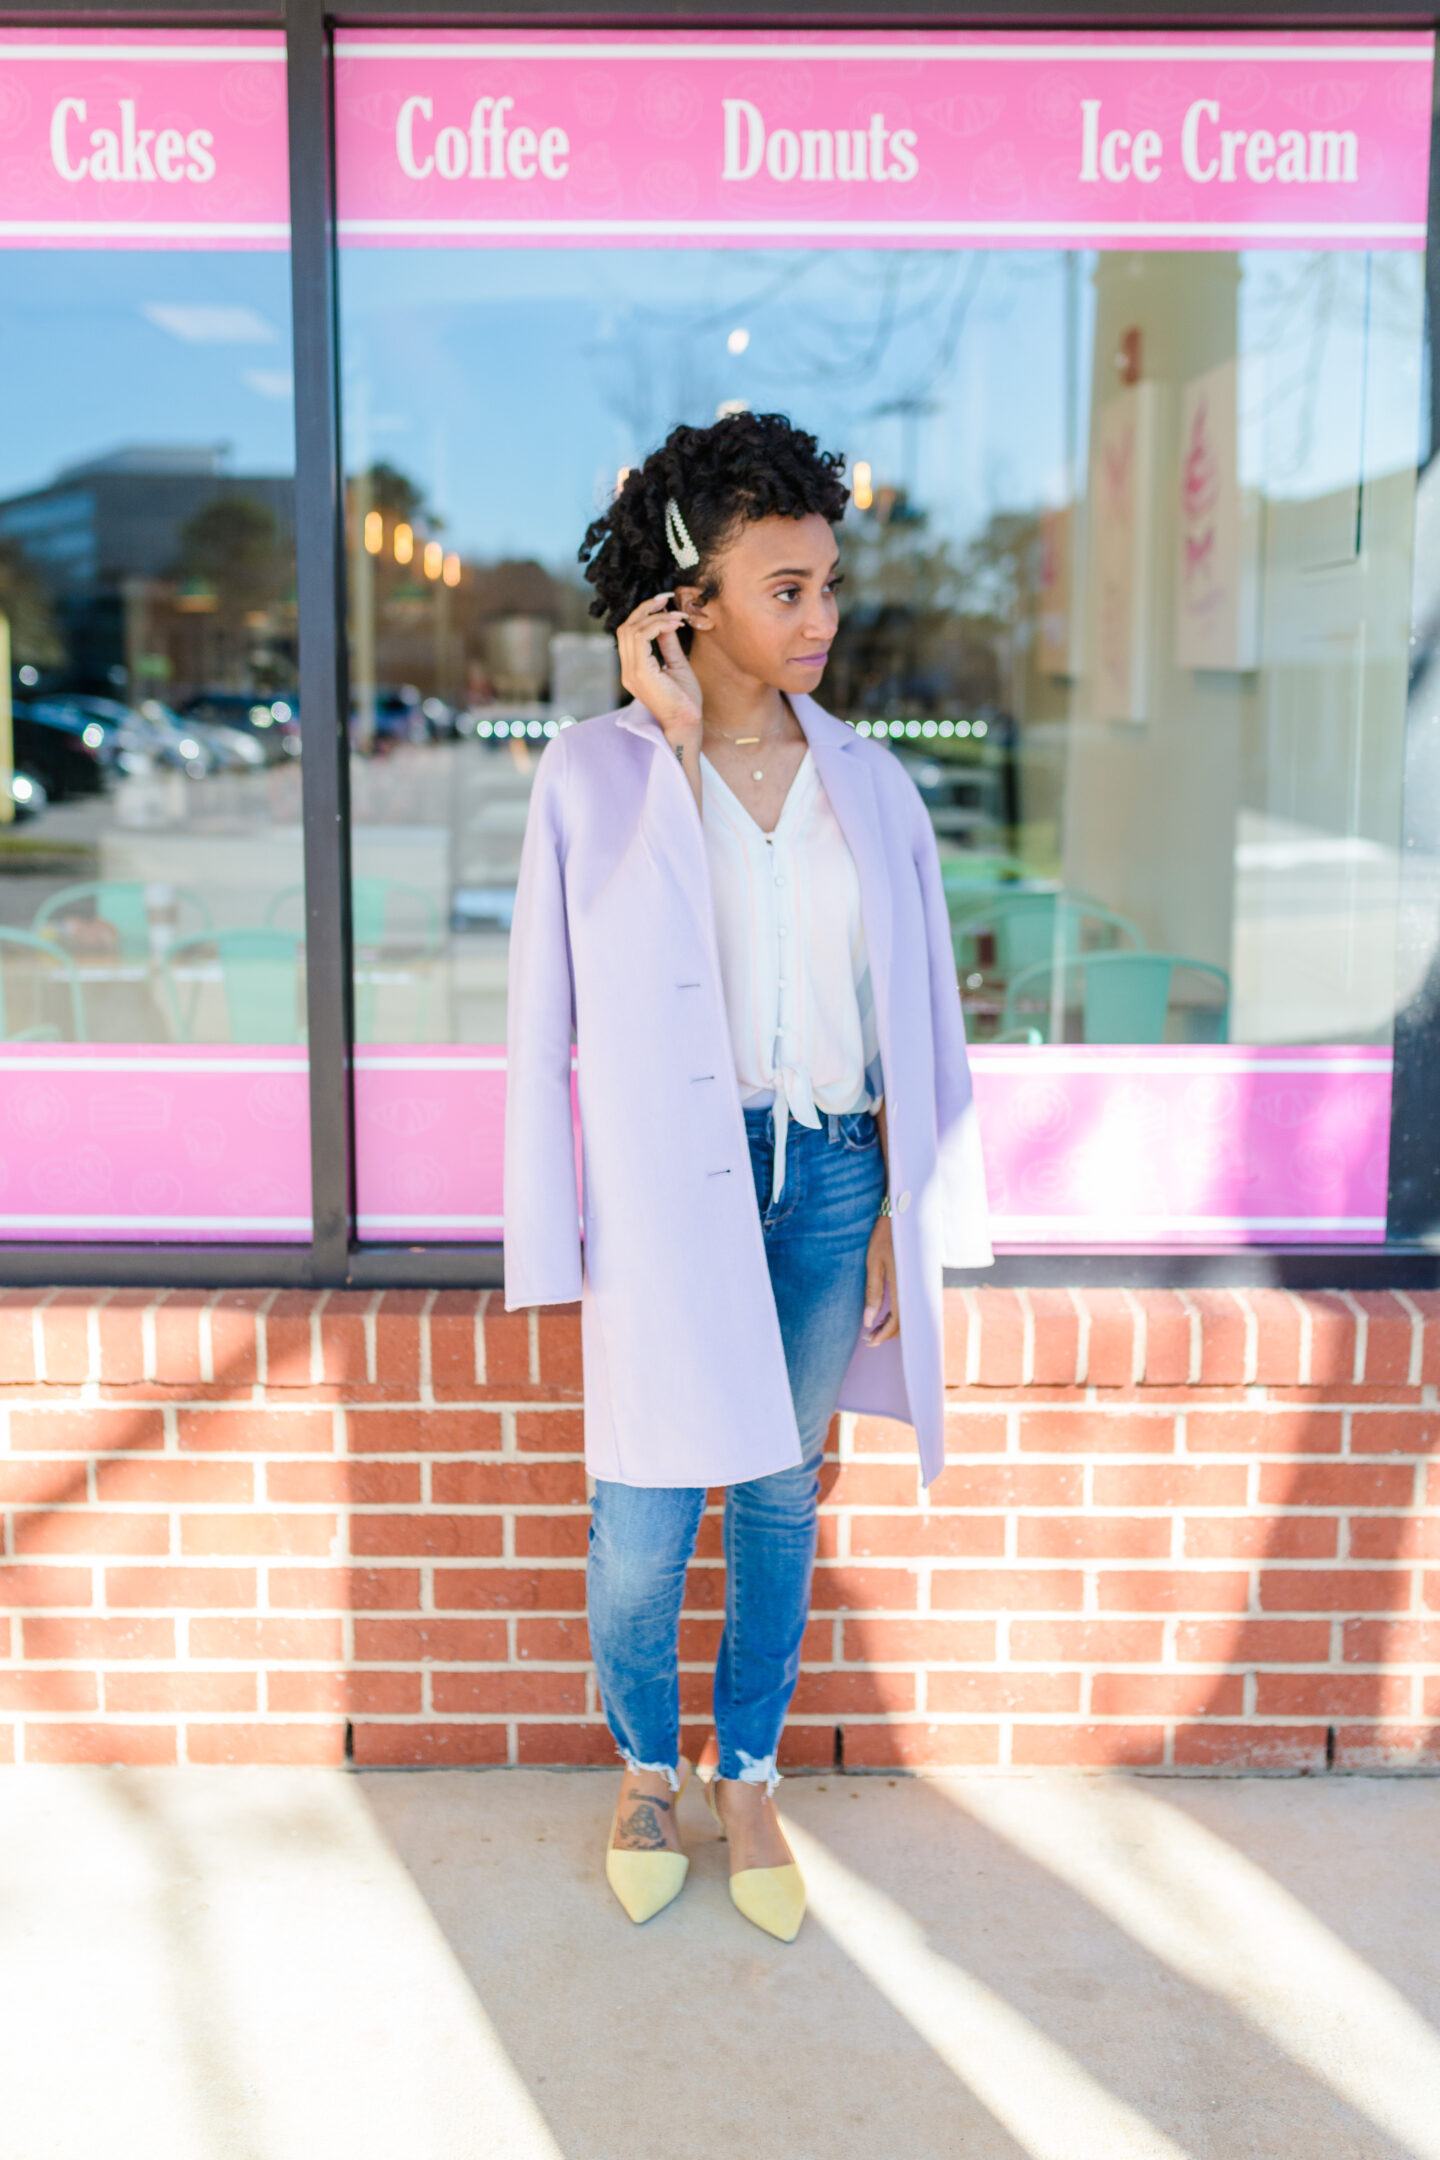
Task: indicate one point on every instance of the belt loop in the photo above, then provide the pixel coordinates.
(834, 1124)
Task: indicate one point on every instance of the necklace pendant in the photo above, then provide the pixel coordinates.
(757, 776)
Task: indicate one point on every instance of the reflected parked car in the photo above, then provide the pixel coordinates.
(400, 717)
(273, 722)
(139, 737)
(59, 746)
(27, 793)
(233, 749)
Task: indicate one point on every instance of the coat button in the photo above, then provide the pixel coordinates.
(902, 1203)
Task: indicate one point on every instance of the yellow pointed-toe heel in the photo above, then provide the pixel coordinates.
(772, 1898)
(646, 1882)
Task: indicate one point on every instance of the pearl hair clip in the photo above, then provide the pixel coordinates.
(682, 547)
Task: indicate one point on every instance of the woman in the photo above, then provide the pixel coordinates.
(734, 902)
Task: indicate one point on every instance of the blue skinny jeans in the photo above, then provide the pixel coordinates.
(642, 1536)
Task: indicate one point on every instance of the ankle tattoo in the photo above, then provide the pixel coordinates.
(641, 1828)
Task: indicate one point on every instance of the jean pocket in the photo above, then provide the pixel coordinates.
(858, 1130)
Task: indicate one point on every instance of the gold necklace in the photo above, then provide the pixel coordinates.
(739, 742)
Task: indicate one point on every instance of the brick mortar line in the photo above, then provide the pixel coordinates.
(1142, 1669)
(907, 1568)
(1250, 1360)
(1139, 1336)
(1082, 1335)
(1417, 1336)
(937, 1512)
(1220, 1396)
(1061, 1411)
(1051, 1720)
(427, 1392)
(407, 1615)
(897, 1459)
(1172, 1446)
(1118, 1511)
(1028, 1336)
(1362, 1335)
(1196, 1339)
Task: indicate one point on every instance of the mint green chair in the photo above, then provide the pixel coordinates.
(123, 903)
(60, 973)
(1033, 929)
(259, 975)
(1125, 997)
(384, 913)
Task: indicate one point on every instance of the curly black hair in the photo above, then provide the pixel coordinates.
(743, 467)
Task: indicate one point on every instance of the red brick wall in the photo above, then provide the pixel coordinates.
(1176, 1529)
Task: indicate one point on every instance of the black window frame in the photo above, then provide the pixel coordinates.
(335, 1258)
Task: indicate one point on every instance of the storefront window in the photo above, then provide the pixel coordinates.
(1122, 339)
(152, 1031)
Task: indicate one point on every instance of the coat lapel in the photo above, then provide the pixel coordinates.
(672, 827)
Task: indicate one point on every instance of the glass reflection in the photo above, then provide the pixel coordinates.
(147, 580)
(1127, 590)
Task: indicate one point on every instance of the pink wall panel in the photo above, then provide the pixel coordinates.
(1180, 1146)
(104, 1142)
(1170, 1146)
(1082, 1146)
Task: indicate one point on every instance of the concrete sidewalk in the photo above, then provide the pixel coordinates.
(303, 1965)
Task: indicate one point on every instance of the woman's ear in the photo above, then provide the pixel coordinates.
(693, 608)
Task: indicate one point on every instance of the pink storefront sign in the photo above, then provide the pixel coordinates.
(1083, 1146)
(830, 139)
(143, 139)
(120, 1144)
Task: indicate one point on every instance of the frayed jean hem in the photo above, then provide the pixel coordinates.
(754, 1770)
(670, 1774)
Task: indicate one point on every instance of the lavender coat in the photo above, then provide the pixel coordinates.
(614, 937)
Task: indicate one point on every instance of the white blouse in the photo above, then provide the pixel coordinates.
(793, 963)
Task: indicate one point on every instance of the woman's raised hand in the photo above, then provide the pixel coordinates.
(665, 686)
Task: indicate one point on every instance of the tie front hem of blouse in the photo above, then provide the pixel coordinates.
(793, 1098)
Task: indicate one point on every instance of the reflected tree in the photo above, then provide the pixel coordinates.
(927, 631)
(234, 566)
(34, 640)
(392, 492)
(236, 546)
